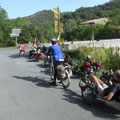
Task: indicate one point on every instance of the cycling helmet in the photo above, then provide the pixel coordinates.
(54, 41)
(88, 57)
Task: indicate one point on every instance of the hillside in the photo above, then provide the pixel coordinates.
(41, 17)
(81, 14)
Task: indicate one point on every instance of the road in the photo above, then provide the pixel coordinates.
(26, 94)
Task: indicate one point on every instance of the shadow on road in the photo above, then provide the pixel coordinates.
(31, 60)
(100, 108)
(17, 55)
(46, 70)
(39, 81)
(14, 56)
(43, 66)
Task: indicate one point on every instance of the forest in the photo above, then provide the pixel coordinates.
(41, 25)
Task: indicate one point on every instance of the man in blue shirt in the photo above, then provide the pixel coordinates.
(56, 52)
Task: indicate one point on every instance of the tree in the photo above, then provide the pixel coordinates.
(46, 32)
(5, 28)
(69, 25)
(19, 22)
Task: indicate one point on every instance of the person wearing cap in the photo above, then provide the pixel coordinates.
(56, 51)
(82, 64)
(108, 92)
(35, 48)
(44, 49)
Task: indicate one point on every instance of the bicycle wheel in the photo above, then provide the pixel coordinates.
(45, 60)
(51, 71)
(88, 95)
(21, 54)
(66, 80)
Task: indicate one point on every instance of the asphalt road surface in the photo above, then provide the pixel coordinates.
(26, 94)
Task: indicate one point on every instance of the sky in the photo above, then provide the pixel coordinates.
(22, 8)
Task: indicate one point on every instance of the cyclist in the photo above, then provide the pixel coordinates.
(82, 66)
(108, 92)
(21, 48)
(35, 48)
(44, 49)
(68, 60)
(38, 44)
(56, 52)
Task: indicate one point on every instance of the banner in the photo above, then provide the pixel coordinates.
(35, 40)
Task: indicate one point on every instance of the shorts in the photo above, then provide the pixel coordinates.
(101, 88)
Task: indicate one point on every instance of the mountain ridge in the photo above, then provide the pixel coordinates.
(81, 14)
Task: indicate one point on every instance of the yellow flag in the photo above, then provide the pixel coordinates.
(63, 47)
(35, 40)
(15, 27)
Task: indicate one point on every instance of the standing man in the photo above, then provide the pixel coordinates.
(56, 52)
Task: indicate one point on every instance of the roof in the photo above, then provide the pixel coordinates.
(96, 21)
(118, 27)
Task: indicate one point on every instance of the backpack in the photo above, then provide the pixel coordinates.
(68, 59)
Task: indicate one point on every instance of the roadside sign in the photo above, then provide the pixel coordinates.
(15, 32)
(14, 35)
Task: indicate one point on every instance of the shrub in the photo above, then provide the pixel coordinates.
(109, 57)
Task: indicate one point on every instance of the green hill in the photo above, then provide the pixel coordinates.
(41, 17)
(110, 9)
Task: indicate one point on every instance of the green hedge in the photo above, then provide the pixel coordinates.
(109, 57)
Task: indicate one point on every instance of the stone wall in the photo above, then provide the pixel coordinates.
(101, 43)
(77, 44)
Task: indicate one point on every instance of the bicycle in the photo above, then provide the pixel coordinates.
(45, 60)
(63, 74)
(22, 53)
(51, 68)
(89, 90)
(106, 76)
